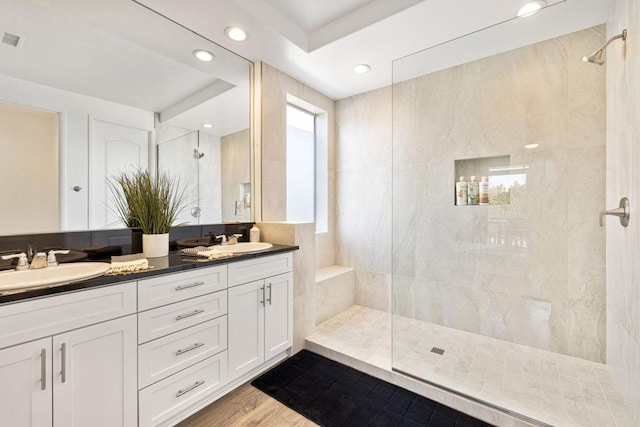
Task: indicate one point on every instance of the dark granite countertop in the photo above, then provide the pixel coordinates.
(171, 264)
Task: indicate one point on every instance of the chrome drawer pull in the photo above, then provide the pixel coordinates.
(188, 389)
(188, 349)
(43, 369)
(269, 287)
(192, 285)
(193, 313)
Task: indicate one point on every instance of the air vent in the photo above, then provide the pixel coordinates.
(437, 350)
(10, 39)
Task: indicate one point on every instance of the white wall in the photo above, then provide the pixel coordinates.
(75, 110)
(29, 147)
(623, 179)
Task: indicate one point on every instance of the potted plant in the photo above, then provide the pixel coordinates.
(151, 202)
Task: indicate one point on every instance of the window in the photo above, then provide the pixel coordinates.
(307, 169)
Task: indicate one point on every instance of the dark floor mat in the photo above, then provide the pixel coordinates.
(333, 395)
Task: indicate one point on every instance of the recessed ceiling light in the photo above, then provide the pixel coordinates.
(207, 125)
(531, 146)
(361, 68)
(531, 7)
(236, 33)
(203, 55)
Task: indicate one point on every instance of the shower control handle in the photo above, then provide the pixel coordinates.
(623, 211)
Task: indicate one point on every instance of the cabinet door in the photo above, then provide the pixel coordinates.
(246, 327)
(25, 394)
(95, 375)
(278, 324)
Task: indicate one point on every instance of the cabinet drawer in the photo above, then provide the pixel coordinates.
(25, 321)
(165, 320)
(164, 399)
(259, 268)
(167, 355)
(171, 288)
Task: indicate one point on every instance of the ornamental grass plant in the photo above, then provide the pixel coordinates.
(148, 201)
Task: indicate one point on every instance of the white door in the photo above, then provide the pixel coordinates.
(246, 327)
(113, 148)
(278, 327)
(25, 393)
(95, 377)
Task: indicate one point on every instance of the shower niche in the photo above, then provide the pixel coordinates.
(503, 177)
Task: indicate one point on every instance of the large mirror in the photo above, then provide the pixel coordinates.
(90, 89)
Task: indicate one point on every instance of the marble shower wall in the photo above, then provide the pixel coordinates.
(623, 177)
(363, 194)
(235, 155)
(275, 86)
(543, 285)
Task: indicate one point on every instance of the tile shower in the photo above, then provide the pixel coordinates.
(525, 279)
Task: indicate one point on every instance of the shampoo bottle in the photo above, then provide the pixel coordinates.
(461, 192)
(484, 191)
(473, 190)
(254, 234)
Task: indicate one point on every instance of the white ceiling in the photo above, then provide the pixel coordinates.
(311, 16)
(121, 52)
(318, 42)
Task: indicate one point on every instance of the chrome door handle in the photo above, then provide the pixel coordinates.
(63, 372)
(623, 211)
(269, 299)
(262, 289)
(43, 369)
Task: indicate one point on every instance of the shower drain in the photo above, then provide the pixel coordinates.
(437, 350)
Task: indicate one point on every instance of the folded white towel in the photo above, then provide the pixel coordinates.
(213, 254)
(126, 267)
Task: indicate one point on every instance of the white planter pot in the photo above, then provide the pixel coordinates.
(155, 245)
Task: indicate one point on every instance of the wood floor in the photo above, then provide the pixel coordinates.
(246, 406)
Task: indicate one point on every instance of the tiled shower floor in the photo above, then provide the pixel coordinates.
(548, 387)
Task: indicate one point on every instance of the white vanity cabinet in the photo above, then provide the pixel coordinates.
(26, 391)
(145, 353)
(182, 337)
(260, 311)
(70, 360)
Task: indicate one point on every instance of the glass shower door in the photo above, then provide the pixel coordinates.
(500, 301)
(180, 157)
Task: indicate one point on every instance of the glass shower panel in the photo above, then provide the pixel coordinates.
(180, 157)
(483, 292)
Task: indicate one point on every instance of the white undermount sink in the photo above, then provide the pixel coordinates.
(243, 247)
(60, 275)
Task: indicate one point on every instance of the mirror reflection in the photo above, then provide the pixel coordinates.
(86, 94)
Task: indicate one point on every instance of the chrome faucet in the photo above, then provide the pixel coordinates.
(233, 239)
(39, 261)
(223, 238)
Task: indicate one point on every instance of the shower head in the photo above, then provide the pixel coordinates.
(596, 57)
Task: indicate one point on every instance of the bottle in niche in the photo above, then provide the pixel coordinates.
(473, 191)
(483, 193)
(461, 192)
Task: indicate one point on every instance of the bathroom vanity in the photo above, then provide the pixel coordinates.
(146, 349)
